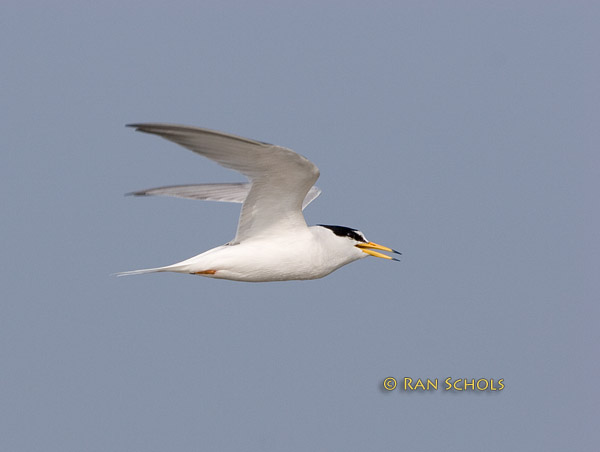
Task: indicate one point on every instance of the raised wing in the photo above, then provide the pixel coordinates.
(234, 192)
(280, 178)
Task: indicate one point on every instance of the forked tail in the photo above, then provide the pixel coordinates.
(145, 270)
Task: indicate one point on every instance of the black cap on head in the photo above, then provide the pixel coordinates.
(343, 231)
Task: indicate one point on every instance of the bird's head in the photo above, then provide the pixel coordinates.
(358, 240)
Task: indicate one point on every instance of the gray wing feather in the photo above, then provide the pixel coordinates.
(233, 192)
(280, 178)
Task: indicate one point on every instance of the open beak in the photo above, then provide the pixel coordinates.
(369, 247)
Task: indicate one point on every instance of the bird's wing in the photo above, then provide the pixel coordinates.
(234, 192)
(280, 178)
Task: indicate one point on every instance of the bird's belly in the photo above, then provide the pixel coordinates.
(272, 270)
(262, 263)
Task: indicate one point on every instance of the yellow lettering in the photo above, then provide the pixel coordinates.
(455, 383)
(472, 384)
(419, 384)
(486, 384)
(432, 384)
(448, 381)
(500, 382)
(407, 382)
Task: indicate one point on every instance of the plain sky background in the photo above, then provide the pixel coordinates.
(464, 134)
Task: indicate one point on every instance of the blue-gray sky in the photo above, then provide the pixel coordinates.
(464, 134)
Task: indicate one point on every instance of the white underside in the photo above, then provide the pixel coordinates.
(307, 254)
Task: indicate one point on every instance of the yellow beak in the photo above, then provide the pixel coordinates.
(369, 247)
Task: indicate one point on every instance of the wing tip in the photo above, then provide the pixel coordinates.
(141, 127)
(153, 127)
(165, 129)
(137, 193)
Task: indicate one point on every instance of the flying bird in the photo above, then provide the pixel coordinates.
(273, 241)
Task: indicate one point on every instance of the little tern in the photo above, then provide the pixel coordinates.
(273, 241)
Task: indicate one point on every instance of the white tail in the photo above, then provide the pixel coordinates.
(180, 267)
(141, 272)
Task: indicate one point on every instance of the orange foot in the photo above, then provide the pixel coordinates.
(205, 272)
